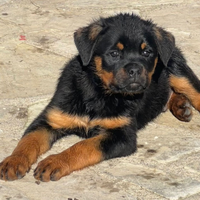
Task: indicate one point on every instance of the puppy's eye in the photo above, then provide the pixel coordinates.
(146, 53)
(114, 54)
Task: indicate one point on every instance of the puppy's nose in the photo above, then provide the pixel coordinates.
(133, 70)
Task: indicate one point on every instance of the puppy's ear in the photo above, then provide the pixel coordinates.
(165, 44)
(85, 39)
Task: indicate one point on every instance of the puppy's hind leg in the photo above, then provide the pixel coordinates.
(183, 80)
(180, 107)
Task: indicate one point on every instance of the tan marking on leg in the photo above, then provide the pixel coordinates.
(83, 154)
(33, 145)
(120, 46)
(183, 86)
(24, 155)
(86, 152)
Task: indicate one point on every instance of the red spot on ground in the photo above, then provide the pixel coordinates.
(22, 37)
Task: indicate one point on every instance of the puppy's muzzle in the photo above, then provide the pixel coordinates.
(132, 78)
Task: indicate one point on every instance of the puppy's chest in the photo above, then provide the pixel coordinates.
(92, 114)
(109, 108)
(61, 120)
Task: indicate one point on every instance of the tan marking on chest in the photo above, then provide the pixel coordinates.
(59, 120)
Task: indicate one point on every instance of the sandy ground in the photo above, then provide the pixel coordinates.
(36, 38)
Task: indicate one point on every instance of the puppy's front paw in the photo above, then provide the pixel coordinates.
(14, 167)
(51, 169)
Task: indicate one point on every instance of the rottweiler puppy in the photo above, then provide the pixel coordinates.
(121, 79)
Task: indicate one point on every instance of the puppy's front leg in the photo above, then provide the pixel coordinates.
(25, 154)
(112, 143)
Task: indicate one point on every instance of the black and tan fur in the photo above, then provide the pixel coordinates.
(121, 79)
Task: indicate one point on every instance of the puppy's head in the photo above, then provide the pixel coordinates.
(124, 51)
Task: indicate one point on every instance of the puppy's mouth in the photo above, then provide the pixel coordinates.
(129, 87)
(134, 88)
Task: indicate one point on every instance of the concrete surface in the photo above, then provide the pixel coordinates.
(36, 39)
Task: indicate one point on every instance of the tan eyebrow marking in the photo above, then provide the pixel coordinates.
(143, 45)
(120, 46)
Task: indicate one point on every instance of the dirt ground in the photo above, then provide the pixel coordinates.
(36, 38)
